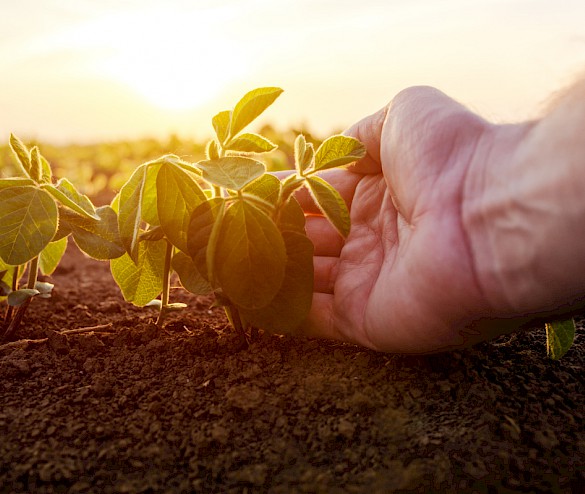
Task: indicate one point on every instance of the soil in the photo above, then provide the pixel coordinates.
(130, 408)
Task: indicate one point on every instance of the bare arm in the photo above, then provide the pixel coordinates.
(524, 209)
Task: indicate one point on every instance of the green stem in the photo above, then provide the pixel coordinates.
(33, 268)
(234, 317)
(10, 308)
(33, 271)
(15, 277)
(166, 285)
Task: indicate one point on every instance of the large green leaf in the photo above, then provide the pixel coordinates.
(28, 223)
(98, 239)
(51, 256)
(330, 203)
(251, 106)
(66, 193)
(130, 209)
(189, 275)
(142, 281)
(21, 153)
(177, 197)
(221, 124)
(231, 172)
(338, 151)
(150, 196)
(292, 303)
(266, 187)
(559, 337)
(199, 233)
(250, 257)
(292, 217)
(251, 143)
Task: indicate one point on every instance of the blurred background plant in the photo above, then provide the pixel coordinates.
(100, 169)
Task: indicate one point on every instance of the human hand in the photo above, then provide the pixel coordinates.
(405, 279)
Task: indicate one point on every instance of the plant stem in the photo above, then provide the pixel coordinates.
(166, 285)
(10, 308)
(33, 268)
(33, 271)
(234, 317)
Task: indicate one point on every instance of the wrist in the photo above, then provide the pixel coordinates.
(524, 213)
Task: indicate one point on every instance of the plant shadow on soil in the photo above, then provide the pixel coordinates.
(188, 409)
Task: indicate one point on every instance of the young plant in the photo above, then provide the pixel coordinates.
(38, 215)
(226, 226)
(559, 337)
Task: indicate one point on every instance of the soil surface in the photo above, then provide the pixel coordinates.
(130, 408)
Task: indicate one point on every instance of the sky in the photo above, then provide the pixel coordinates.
(87, 71)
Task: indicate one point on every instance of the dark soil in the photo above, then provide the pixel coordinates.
(191, 409)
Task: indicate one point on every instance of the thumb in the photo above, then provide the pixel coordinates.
(369, 131)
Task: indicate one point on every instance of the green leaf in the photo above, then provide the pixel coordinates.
(231, 172)
(7, 274)
(177, 197)
(143, 281)
(29, 222)
(251, 106)
(559, 337)
(15, 182)
(292, 217)
(250, 257)
(330, 203)
(304, 153)
(51, 256)
(4, 286)
(212, 150)
(130, 209)
(199, 232)
(149, 210)
(66, 193)
(46, 172)
(338, 151)
(266, 187)
(189, 275)
(98, 239)
(251, 143)
(292, 303)
(35, 164)
(19, 297)
(221, 124)
(21, 153)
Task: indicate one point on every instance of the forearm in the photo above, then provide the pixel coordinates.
(524, 210)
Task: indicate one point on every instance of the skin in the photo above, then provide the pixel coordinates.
(460, 230)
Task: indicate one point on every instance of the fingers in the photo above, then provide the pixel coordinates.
(326, 240)
(325, 269)
(320, 322)
(369, 131)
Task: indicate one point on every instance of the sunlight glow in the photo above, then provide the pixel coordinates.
(175, 63)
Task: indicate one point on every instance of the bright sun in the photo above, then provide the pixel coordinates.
(175, 64)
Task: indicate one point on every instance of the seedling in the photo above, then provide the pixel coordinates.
(38, 214)
(559, 337)
(226, 226)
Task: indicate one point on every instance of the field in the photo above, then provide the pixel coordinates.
(94, 397)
